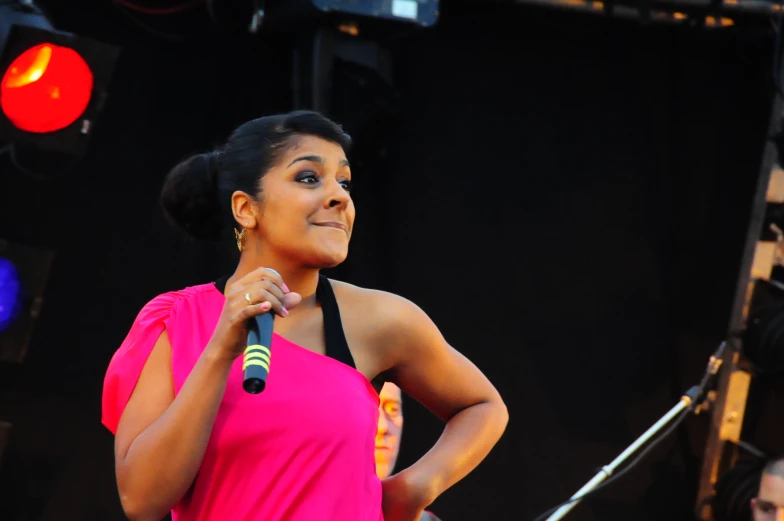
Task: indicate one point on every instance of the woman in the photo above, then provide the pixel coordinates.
(190, 440)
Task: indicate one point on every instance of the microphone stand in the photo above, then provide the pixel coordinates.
(688, 402)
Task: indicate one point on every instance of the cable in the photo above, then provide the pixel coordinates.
(15, 162)
(678, 420)
(146, 28)
(62, 166)
(159, 11)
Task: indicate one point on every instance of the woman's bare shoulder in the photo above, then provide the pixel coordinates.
(371, 303)
(378, 313)
(373, 321)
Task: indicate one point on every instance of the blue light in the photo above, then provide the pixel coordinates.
(10, 293)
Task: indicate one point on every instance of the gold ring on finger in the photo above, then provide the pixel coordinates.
(247, 297)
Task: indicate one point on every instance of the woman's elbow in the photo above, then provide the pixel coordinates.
(138, 511)
(137, 507)
(134, 511)
(501, 415)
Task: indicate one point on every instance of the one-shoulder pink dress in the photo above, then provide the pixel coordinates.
(302, 450)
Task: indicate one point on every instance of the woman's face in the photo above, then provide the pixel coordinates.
(306, 213)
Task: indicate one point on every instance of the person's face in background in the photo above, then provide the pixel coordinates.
(769, 503)
(390, 427)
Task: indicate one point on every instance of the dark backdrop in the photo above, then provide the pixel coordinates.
(565, 195)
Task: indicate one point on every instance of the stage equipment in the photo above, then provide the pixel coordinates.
(691, 401)
(23, 275)
(53, 84)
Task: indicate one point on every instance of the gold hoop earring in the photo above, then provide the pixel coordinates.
(240, 236)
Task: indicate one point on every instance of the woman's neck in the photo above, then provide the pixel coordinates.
(298, 279)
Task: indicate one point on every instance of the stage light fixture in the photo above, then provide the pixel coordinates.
(10, 294)
(422, 12)
(23, 274)
(46, 88)
(778, 142)
(763, 336)
(762, 339)
(52, 84)
(285, 14)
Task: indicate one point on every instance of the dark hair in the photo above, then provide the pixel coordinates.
(196, 194)
(774, 467)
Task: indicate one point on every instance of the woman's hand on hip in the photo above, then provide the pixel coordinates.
(403, 499)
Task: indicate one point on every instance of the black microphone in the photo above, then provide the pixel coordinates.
(256, 362)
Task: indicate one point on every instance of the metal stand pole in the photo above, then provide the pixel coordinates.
(607, 471)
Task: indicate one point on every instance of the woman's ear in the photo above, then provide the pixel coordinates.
(245, 209)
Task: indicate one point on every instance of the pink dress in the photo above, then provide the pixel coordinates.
(302, 450)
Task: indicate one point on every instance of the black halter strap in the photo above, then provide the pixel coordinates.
(334, 336)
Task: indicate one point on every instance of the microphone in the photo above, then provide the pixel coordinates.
(256, 361)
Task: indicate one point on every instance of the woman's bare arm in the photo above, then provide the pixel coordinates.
(160, 440)
(428, 369)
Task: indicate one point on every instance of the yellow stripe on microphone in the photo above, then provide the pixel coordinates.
(257, 358)
(257, 355)
(257, 347)
(260, 363)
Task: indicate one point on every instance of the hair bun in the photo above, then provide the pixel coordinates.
(190, 196)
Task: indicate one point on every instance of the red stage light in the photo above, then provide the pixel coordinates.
(46, 88)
